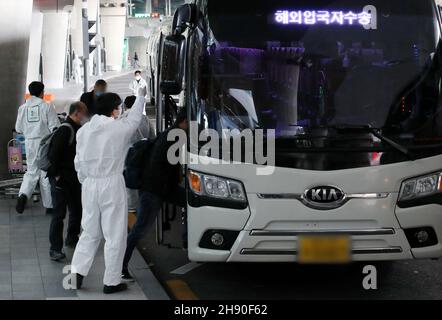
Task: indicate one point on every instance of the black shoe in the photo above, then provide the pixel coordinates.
(127, 277)
(49, 211)
(79, 281)
(114, 289)
(21, 203)
(56, 255)
(71, 242)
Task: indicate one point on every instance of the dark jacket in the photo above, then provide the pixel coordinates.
(159, 176)
(62, 154)
(89, 100)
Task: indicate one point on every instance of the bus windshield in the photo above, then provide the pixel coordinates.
(301, 66)
(293, 65)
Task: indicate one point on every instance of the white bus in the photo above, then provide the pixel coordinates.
(352, 89)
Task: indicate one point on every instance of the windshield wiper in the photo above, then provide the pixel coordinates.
(378, 134)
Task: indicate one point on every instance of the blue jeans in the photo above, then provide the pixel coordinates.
(149, 207)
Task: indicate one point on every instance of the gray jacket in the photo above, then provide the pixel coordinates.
(146, 129)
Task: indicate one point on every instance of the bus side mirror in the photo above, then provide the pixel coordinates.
(184, 16)
(172, 65)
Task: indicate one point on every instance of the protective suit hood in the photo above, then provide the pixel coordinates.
(33, 101)
(99, 122)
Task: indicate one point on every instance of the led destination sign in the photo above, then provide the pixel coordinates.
(367, 18)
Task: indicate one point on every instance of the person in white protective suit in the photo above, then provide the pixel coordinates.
(35, 120)
(138, 86)
(77, 69)
(102, 145)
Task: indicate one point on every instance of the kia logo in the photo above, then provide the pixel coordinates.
(324, 197)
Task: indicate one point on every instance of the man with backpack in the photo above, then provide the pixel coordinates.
(159, 183)
(65, 187)
(145, 131)
(36, 119)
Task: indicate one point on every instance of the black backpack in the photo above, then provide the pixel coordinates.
(43, 162)
(135, 163)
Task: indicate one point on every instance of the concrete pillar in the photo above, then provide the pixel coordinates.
(113, 26)
(15, 26)
(55, 32)
(35, 47)
(148, 6)
(99, 42)
(92, 9)
(76, 29)
(92, 12)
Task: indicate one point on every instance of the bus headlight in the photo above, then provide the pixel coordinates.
(420, 187)
(216, 187)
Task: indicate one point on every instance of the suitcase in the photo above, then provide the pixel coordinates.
(15, 157)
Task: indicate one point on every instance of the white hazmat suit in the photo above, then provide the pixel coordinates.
(35, 120)
(139, 87)
(102, 145)
(77, 69)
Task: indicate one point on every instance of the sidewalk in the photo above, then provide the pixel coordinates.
(72, 91)
(27, 273)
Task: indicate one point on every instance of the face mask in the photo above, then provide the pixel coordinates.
(138, 78)
(98, 93)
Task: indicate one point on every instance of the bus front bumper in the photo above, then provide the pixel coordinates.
(270, 232)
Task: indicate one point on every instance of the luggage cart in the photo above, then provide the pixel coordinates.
(16, 157)
(16, 167)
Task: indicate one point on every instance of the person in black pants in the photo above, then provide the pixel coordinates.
(65, 187)
(160, 184)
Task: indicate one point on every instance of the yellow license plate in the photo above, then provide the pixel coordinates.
(324, 249)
